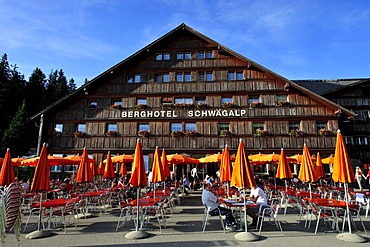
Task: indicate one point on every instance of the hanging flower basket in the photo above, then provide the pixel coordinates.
(141, 106)
(111, 133)
(225, 133)
(324, 132)
(227, 105)
(143, 133)
(256, 104)
(80, 134)
(260, 132)
(184, 105)
(201, 105)
(296, 133)
(115, 107)
(282, 103)
(167, 105)
(177, 134)
(191, 133)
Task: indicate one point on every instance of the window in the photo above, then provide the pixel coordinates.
(187, 76)
(70, 168)
(116, 102)
(253, 99)
(166, 56)
(183, 100)
(166, 77)
(187, 55)
(294, 125)
(141, 101)
(209, 54)
(201, 55)
(224, 129)
(130, 78)
(231, 75)
(209, 76)
(200, 101)
(190, 126)
(180, 56)
(348, 139)
(167, 100)
(282, 97)
(179, 77)
(176, 127)
(239, 75)
(158, 56)
(367, 114)
(258, 125)
(225, 100)
(81, 128)
(58, 129)
(158, 78)
(137, 78)
(146, 161)
(92, 104)
(143, 127)
(201, 76)
(321, 125)
(112, 127)
(361, 140)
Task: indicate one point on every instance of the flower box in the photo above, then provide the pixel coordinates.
(111, 133)
(115, 106)
(141, 106)
(80, 134)
(225, 133)
(324, 132)
(255, 104)
(143, 133)
(227, 104)
(201, 105)
(296, 133)
(57, 133)
(177, 133)
(282, 103)
(191, 133)
(167, 105)
(260, 132)
(184, 105)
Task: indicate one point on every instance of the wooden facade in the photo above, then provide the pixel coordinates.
(186, 82)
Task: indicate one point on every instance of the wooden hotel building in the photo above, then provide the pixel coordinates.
(188, 94)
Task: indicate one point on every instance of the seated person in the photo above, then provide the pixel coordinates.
(186, 184)
(210, 200)
(258, 196)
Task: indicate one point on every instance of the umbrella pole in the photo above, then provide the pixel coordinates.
(137, 197)
(40, 214)
(245, 212)
(346, 196)
(309, 186)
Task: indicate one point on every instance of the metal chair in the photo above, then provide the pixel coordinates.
(270, 213)
(206, 216)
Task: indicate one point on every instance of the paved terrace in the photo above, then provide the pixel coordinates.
(184, 229)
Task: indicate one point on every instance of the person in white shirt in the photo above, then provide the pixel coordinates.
(211, 201)
(258, 196)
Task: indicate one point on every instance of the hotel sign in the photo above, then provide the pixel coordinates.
(190, 113)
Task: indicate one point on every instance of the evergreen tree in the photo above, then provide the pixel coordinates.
(16, 137)
(35, 91)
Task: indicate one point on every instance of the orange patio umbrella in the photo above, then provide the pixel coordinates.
(76, 159)
(342, 169)
(94, 169)
(165, 166)
(52, 161)
(84, 172)
(123, 169)
(307, 172)
(178, 159)
(283, 169)
(17, 161)
(319, 167)
(328, 160)
(41, 178)
(157, 169)
(213, 158)
(243, 178)
(7, 171)
(225, 167)
(108, 169)
(124, 158)
(100, 168)
(138, 177)
(1, 160)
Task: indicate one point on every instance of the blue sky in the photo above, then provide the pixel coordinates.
(298, 39)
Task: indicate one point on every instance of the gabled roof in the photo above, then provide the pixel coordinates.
(174, 32)
(348, 87)
(326, 86)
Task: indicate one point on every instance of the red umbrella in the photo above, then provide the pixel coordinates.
(7, 171)
(243, 178)
(94, 169)
(319, 167)
(108, 170)
(17, 161)
(307, 172)
(164, 161)
(123, 170)
(84, 172)
(178, 159)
